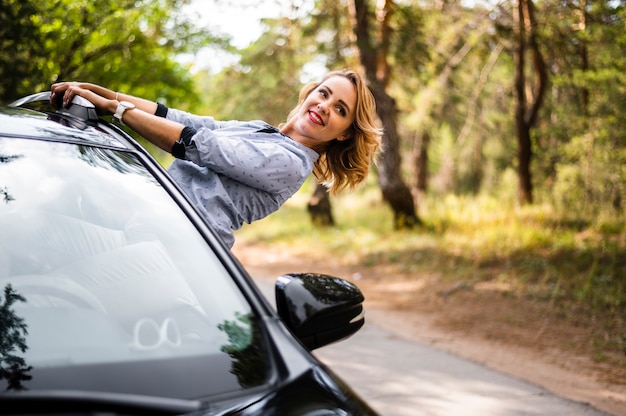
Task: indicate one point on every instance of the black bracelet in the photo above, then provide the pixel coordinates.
(161, 110)
(179, 148)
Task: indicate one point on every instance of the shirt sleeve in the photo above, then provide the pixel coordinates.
(197, 122)
(272, 163)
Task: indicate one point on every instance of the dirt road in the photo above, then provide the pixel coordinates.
(504, 333)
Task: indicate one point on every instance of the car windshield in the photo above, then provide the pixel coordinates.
(105, 284)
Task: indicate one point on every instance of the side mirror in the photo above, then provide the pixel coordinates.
(319, 309)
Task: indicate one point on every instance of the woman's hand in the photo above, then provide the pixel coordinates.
(93, 93)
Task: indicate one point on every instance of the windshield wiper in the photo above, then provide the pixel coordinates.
(71, 401)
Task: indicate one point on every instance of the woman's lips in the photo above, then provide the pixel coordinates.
(315, 118)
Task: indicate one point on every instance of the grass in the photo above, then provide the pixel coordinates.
(576, 264)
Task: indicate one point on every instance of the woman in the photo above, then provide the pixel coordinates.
(238, 172)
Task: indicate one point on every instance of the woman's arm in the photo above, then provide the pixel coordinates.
(158, 130)
(140, 103)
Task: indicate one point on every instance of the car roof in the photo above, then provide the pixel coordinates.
(34, 117)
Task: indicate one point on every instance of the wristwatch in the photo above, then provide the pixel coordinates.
(122, 106)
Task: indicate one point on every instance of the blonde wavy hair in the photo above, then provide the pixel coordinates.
(345, 164)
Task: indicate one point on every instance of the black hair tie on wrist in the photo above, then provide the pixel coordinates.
(161, 110)
(179, 148)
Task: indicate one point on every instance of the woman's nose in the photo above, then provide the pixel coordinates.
(321, 107)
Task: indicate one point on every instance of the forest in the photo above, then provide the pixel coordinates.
(505, 121)
(493, 97)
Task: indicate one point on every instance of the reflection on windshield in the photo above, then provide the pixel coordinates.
(243, 346)
(4, 191)
(13, 331)
(110, 270)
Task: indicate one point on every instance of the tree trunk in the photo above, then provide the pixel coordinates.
(529, 97)
(478, 171)
(584, 54)
(319, 207)
(420, 161)
(394, 190)
(374, 61)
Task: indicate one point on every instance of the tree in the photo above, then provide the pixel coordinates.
(265, 80)
(129, 45)
(374, 59)
(445, 110)
(529, 92)
(582, 146)
(319, 207)
(18, 44)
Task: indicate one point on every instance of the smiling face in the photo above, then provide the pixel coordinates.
(325, 114)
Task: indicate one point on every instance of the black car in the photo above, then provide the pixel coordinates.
(117, 298)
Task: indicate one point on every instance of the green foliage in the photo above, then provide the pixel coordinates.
(582, 147)
(264, 84)
(128, 45)
(583, 185)
(265, 81)
(328, 32)
(17, 46)
(410, 52)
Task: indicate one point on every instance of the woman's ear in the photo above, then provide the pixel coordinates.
(345, 135)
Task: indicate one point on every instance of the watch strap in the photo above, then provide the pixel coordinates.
(121, 108)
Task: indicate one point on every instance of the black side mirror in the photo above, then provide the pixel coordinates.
(319, 309)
